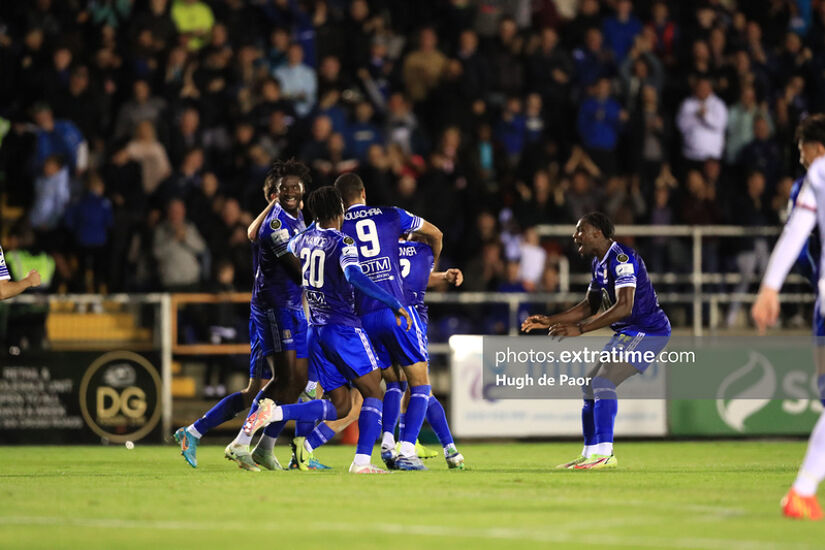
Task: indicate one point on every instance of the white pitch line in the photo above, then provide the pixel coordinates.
(502, 533)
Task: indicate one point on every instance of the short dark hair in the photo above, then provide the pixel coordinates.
(325, 203)
(601, 222)
(350, 186)
(811, 129)
(281, 169)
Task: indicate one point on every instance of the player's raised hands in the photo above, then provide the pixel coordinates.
(402, 313)
(765, 310)
(564, 330)
(535, 321)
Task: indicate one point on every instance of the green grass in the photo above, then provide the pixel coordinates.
(664, 495)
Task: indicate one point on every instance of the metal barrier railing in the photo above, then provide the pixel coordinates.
(697, 278)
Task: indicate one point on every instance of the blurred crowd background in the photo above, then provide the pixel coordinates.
(136, 133)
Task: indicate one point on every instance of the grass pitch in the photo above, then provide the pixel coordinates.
(664, 495)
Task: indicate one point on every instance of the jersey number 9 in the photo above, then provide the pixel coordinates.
(368, 235)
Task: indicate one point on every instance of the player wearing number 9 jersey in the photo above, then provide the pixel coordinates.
(339, 350)
(376, 231)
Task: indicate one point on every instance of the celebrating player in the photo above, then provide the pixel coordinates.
(800, 501)
(278, 311)
(376, 232)
(417, 263)
(270, 268)
(620, 283)
(339, 350)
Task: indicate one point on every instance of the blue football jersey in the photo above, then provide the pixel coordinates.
(273, 284)
(324, 255)
(4, 270)
(622, 267)
(417, 262)
(376, 231)
(807, 263)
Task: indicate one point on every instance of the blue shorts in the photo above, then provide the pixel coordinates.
(339, 354)
(393, 344)
(646, 345)
(272, 331)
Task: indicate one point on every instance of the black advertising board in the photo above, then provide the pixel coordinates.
(80, 397)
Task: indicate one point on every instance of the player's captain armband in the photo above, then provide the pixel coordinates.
(624, 270)
(280, 240)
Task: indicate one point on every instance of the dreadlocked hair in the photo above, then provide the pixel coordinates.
(325, 204)
(283, 168)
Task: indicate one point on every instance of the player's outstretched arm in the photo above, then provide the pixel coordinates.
(252, 230)
(623, 307)
(575, 314)
(10, 289)
(434, 237)
(453, 276)
(765, 310)
(356, 278)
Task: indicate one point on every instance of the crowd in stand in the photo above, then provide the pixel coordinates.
(136, 133)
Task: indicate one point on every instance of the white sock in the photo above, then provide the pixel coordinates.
(407, 448)
(193, 431)
(388, 441)
(307, 446)
(813, 467)
(603, 449)
(449, 449)
(265, 443)
(243, 439)
(361, 460)
(588, 450)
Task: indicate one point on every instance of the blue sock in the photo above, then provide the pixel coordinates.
(320, 435)
(255, 401)
(419, 397)
(392, 406)
(369, 425)
(303, 429)
(820, 384)
(604, 409)
(274, 429)
(317, 409)
(224, 410)
(402, 421)
(438, 420)
(588, 422)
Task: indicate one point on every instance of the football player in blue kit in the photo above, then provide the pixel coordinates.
(620, 283)
(189, 437)
(277, 335)
(279, 322)
(340, 352)
(417, 263)
(376, 231)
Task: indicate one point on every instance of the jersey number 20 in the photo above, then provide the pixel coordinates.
(313, 267)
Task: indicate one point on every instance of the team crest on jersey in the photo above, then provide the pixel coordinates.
(275, 224)
(622, 258)
(287, 334)
(348, 241)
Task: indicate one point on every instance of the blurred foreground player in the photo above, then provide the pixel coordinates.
(340, 352)
(632, 310)
(808, 210)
